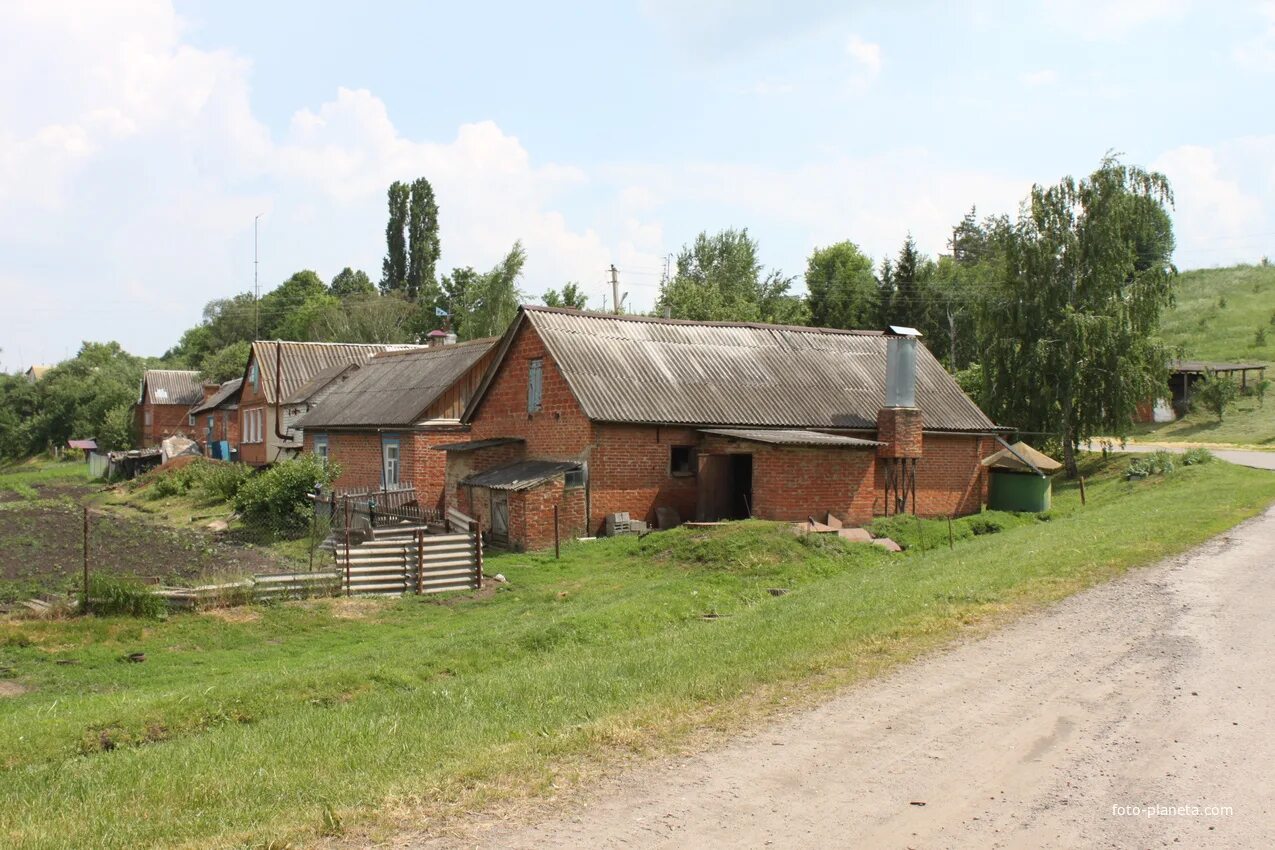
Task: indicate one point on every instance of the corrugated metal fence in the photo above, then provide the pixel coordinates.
(392, 561)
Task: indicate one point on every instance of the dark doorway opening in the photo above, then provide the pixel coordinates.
(725, 487)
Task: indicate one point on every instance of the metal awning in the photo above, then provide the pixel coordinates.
(522, 475)
(475, 445)
(792, 437)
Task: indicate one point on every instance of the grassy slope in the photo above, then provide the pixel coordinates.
(243, 728)
(1202, 329)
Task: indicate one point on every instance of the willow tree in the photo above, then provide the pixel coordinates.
(1069, 328)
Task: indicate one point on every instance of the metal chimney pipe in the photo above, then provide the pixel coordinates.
(900, 367)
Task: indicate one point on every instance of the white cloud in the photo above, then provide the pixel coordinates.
(143, 152)
(1098, 20)
(1036, 79)
(1258, 53)
(1217, 219)
(867, 59)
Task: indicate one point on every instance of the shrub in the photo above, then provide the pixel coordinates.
(1216, 394)
(1156, 463)
(122, 596)
(222, 481)
(1197, 455)
(278, 497)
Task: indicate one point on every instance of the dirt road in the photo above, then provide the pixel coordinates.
(1155, 690)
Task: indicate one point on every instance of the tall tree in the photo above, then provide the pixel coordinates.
(422, 243)
(841, 289)
(907, 304)
(1069, 334)
(349, 282)
(571, 295)
(719, 278)
(885, 293)
(394, 266)
(494, 297)
(280, 306)
(460, 289)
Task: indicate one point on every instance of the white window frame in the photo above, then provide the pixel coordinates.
(321, 448)
(254, 425)
(389, 463)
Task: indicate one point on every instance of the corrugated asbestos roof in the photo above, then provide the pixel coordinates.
(788, 437)
(300, 361)
(522, 475)
(318, 381)
(229, 392)
(395, 389)
(644, 370)
(170, 386)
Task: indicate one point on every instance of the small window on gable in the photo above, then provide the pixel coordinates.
(681, 460)
(574, 478)
(252, 375)
(535, 384)
(190, 419)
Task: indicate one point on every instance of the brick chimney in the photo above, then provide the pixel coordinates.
(210, 389)
(899, 422)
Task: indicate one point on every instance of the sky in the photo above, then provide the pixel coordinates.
(140, 139)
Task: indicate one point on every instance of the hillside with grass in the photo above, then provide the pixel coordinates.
(1223, 315)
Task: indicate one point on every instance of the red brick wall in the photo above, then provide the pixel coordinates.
(166, 420)
(359, 454)
(460, 465)
(629, 471)
(531, 513)
(559, 431)
(950, 479)
(251, 397)
(792, 483)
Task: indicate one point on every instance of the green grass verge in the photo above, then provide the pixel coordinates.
(25, 478)
(280, 723)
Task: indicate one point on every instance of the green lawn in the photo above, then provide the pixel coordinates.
(1219, 315)
(278, 724)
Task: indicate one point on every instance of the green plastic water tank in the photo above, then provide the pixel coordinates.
(1018, 491)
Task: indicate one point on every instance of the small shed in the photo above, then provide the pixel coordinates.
(1019, 479)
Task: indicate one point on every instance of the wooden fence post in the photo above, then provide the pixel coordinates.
(348, 589)
(951, 541)
(1082, 491)
(84, 604)
(476, 528)
(556, 552)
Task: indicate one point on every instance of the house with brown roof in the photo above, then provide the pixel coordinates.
(381, 422)
(163, 405)
(666, 420)
(275, 373)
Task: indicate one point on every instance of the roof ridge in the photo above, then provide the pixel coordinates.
(660, 320)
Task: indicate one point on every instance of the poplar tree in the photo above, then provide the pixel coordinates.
(422, 244)
(394, 266)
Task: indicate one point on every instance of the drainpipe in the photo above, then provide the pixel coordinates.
(278, 392)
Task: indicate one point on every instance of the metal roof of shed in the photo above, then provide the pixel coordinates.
(790, 437)
(170, 386)
(522, 475)
(395, 388)
(668, 371)
(1202, 366)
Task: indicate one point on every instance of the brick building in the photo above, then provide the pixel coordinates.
(216, 420)
(381, 422)
(275, 371)
(599, 414)
(163, 405)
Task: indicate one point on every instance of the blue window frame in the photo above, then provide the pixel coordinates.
(535, 385)
(321, 448)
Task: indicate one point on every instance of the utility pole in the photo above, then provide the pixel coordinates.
(615, 288)
(256, 287)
